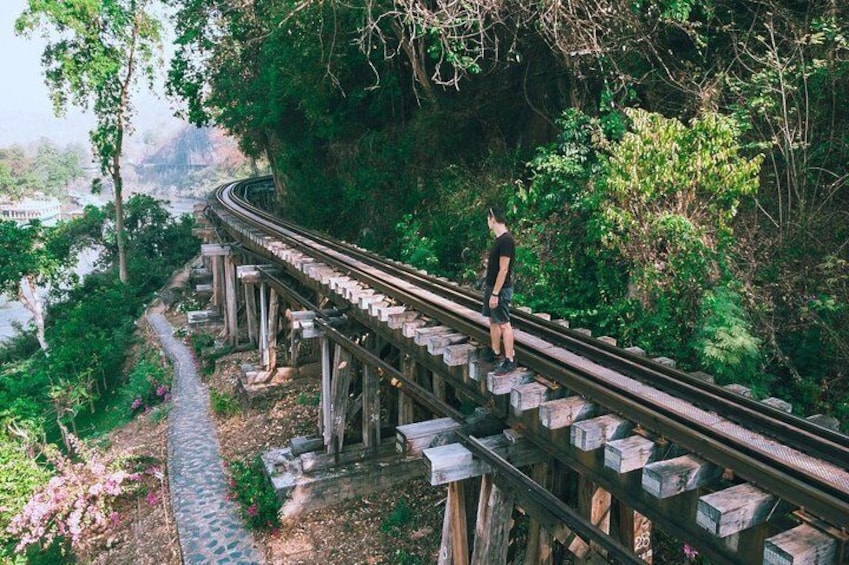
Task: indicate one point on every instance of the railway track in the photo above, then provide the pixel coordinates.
(803, 464)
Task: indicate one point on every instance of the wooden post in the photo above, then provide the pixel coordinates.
(263, 325)
(339, 400)
(494, 521)
(594, 504)
(439, 387)
(405, 402)
(539, 550)
(250, 312)
(371, 408)
(232, 300)
(324, 422)
(634, 531)
(216, 280)
(454, 548)
(273, 323)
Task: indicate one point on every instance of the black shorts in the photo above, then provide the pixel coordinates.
(501, 313)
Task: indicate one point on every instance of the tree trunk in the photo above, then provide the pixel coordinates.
(119, 210)
(28, 295)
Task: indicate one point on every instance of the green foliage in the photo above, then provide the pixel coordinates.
(416, 249)
(305, 399)
(20, 476)
(223, 403)
(255, 493)
(199, 342)
(47, 169)
(400, 518)
(723, 341)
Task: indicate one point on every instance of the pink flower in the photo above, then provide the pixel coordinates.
(114, 519)
(152, 499)
(690, 551)
(253, 510)
(136, 404)
(161, 390)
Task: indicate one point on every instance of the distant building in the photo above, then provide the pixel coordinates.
(23, 211)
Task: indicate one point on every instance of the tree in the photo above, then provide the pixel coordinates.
(27, 261)
(97, 51)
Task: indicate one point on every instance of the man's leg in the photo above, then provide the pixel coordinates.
(495, 337)
(506, 333)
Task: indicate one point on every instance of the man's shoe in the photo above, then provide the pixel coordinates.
(505, 366)
(491, 356)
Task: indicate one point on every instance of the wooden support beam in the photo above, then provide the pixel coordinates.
(439, 389)
(454, 549)
(437, 344)
(828, 422)
(736, 509)
(454, 462)
(458, 355)
(217, 284)
(273, 326)
(635, 532)
(527, 396)
(371, 408)
(540, 539)
(740, 389)
(412, 439)
(503, 384)
(385, 313)
(563, 412)
(494, 521)
(665, 361)
(340, 385)
(408, 328)
(803, 545)
(663, 479)
(263, 324)
(251, 313)
(406, 406)
(588, 435)
(325, 422)
(424, 333)
(232, 300)
(215, 250)
(594, 503)
(778, 404)
(396, 320)
(628, 454)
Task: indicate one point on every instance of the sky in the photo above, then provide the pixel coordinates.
(26, 113)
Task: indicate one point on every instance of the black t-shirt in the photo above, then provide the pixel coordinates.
(504, 246)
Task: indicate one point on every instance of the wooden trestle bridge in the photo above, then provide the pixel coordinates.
(593, 443)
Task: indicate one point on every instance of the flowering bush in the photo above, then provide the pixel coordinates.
(75, 504)
(256, 496)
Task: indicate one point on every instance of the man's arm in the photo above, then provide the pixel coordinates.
(503, 269)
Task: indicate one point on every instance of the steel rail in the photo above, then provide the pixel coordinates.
(792, 485)
(810, 438)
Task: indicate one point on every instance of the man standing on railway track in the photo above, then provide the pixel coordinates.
(498, 291)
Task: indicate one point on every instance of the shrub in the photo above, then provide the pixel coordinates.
(305, 399)
(253, 490)
(76, 504)
(223, 404)
(400, 517)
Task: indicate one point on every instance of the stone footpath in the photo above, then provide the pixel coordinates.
(208, 523)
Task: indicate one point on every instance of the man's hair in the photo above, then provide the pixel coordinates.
(497, 214)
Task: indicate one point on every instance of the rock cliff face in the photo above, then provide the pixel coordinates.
(191, 161)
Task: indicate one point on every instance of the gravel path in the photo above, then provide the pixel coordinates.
(208, 524)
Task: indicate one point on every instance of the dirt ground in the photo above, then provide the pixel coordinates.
(398, 527)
